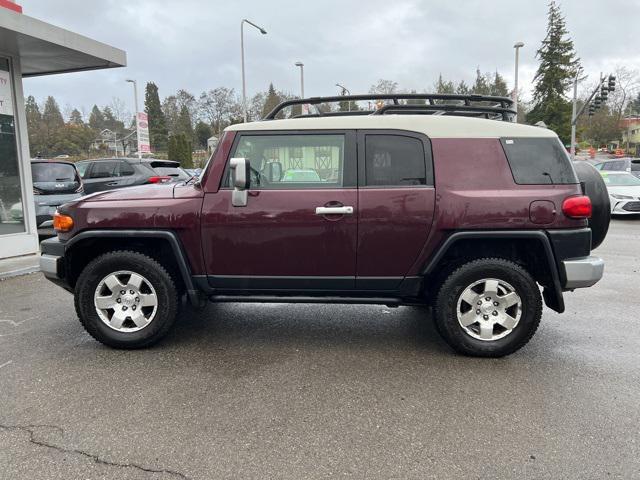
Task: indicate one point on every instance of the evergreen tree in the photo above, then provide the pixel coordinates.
(462, 88)
(202, 134)
(558, 67)
(34, 117)
(271, 101)
(183, 124)
(481, 86)
(158, 132)
(443, 86)
(96, 119)
(76, 117)
(498, 86)
(51, 115)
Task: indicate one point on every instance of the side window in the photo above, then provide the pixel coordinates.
(538, 161)
(104, 169)
(292, 161)
(396, 161)
(126, 170)
(82, 168)
(618, 165)
(598, 166)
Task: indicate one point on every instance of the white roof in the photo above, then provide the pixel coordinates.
(434, 126)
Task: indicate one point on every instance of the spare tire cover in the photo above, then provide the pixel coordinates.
(596, 190)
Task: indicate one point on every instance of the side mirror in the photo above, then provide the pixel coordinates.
(241, 176)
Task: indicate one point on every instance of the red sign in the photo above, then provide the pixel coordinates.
(10, 6)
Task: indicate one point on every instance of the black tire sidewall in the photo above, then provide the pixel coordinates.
(447, 301)
(138, 263)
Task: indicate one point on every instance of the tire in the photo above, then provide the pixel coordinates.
(152, 301)
(596, 190)
(455, 291)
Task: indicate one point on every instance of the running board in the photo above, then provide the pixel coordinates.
(390, 301)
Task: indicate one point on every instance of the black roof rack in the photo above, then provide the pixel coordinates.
(472, 105)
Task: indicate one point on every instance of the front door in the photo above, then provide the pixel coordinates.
(288, 236)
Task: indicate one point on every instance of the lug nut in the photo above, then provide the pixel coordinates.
(495, 314)
(133, 308)
(124, 307)
(138, 299)
(122, 292)
(477, 312)
(479, 302)
(119, 300)
(131, 292)
(488, 299)
(486, 317)
(496, 304)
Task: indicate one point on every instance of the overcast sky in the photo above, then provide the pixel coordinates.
(194, 44)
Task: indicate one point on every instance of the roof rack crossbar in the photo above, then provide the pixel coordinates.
(486, 105)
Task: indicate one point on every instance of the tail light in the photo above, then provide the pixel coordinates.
(577, 207)
(159, 179)
(62, 223)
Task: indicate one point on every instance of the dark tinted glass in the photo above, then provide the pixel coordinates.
(395, 160)
(174, 172)
(104, 170)
(537, 161)
(617, 165)
(52, 172)
(126, 169)
(635, 165)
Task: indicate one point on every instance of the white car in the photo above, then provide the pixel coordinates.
(624, 192)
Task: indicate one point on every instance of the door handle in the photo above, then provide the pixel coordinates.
(112, 184)
(334, 210)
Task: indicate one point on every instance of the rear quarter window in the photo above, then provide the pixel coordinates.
(538, 161)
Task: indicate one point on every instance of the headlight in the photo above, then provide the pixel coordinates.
(617, 196)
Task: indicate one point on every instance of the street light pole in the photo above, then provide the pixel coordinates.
(517, 47)
(244, 85)
(301, 65)
(135, 99)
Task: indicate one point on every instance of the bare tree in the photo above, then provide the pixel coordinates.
(384, 87)
(217, 107)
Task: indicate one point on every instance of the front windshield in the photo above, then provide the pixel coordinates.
(619, 180)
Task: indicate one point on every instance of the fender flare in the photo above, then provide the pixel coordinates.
(181, 259)
(553, 297)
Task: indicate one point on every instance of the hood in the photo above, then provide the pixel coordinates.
(142, 192)
(629, 190)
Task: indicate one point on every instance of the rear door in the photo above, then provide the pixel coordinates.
(102, 175)
(396, 201)
(284, 238)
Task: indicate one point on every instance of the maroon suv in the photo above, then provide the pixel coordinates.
(410, 204)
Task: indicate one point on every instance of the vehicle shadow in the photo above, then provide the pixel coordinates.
(307, 325)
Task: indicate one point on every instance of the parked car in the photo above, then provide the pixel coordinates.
(624, 192)
(193, 172)
(111, 173)
(631, 165)
(471, 216)
(55, 183)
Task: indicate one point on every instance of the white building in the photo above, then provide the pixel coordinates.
(30, 47)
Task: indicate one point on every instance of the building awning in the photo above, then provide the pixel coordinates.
(46, 49)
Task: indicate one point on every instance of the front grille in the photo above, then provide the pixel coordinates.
(631, 207)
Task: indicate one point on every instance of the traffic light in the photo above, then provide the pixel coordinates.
(612, 83)
(592, 110)
(597, 102)
(604, 92)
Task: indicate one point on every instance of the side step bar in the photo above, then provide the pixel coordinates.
(390, 301)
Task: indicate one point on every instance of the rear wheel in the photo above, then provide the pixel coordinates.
(488, 307)
(126, 300)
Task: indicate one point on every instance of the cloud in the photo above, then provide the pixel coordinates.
(194, 44)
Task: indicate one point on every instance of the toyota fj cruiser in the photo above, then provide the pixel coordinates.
(437, 200)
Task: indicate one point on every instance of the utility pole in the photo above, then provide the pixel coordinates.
(517, 47)
(135, 99)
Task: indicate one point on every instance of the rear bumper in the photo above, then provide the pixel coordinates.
(582, 272)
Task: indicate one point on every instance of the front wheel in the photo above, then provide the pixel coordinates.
(126, 300)
(488, 307)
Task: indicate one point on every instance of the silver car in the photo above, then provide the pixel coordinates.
(624, 192)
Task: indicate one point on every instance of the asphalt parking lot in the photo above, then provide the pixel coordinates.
(307, 391)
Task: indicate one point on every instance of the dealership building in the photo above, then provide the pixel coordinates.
(29, 48)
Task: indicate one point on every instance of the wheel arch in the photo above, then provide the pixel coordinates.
(162, 245)
(532, 249)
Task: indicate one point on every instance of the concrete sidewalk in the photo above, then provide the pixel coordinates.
(12, 267)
